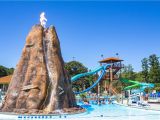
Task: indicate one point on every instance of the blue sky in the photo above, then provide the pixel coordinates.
(86, 29)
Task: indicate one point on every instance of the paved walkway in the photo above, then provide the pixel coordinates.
(155, 106)
(152, 106)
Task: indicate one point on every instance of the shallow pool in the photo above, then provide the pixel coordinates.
(117, 112)
(103, 112)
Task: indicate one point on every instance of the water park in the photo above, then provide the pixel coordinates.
(44, 86)
(132, 102)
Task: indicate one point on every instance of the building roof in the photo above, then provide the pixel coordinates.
(110, 60)
(5, 79)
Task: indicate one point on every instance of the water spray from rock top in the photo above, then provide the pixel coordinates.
(43, 19)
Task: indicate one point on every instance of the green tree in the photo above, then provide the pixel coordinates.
(145, 69)
(75, 67)
(154, 73)
(4, 71)
(127, 72)
(139, 76)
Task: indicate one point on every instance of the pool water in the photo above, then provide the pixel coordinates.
(103, 112)
(117, 112)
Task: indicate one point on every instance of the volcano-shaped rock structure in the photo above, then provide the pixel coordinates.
(39, 82)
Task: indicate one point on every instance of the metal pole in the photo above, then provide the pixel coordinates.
(117, 55)
(73, 58)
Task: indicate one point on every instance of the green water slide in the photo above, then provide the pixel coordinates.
(135, 84)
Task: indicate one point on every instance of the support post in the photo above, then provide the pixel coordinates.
(105, 85)
(111, 79)
(98, 91)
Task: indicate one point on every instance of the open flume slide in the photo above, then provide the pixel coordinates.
(101, 68)
(135, 84)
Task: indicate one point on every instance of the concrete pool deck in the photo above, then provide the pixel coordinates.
(152, 106)
(104, 112)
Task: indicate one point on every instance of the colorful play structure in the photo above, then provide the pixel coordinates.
(108, 69)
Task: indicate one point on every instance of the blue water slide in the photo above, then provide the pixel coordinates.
(146, 85)
(76, 77)
(102, 68)
(143, 86)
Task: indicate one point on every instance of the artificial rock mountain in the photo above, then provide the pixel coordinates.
(40, 82)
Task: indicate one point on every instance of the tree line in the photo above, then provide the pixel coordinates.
(150, 72)
(4, 71)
